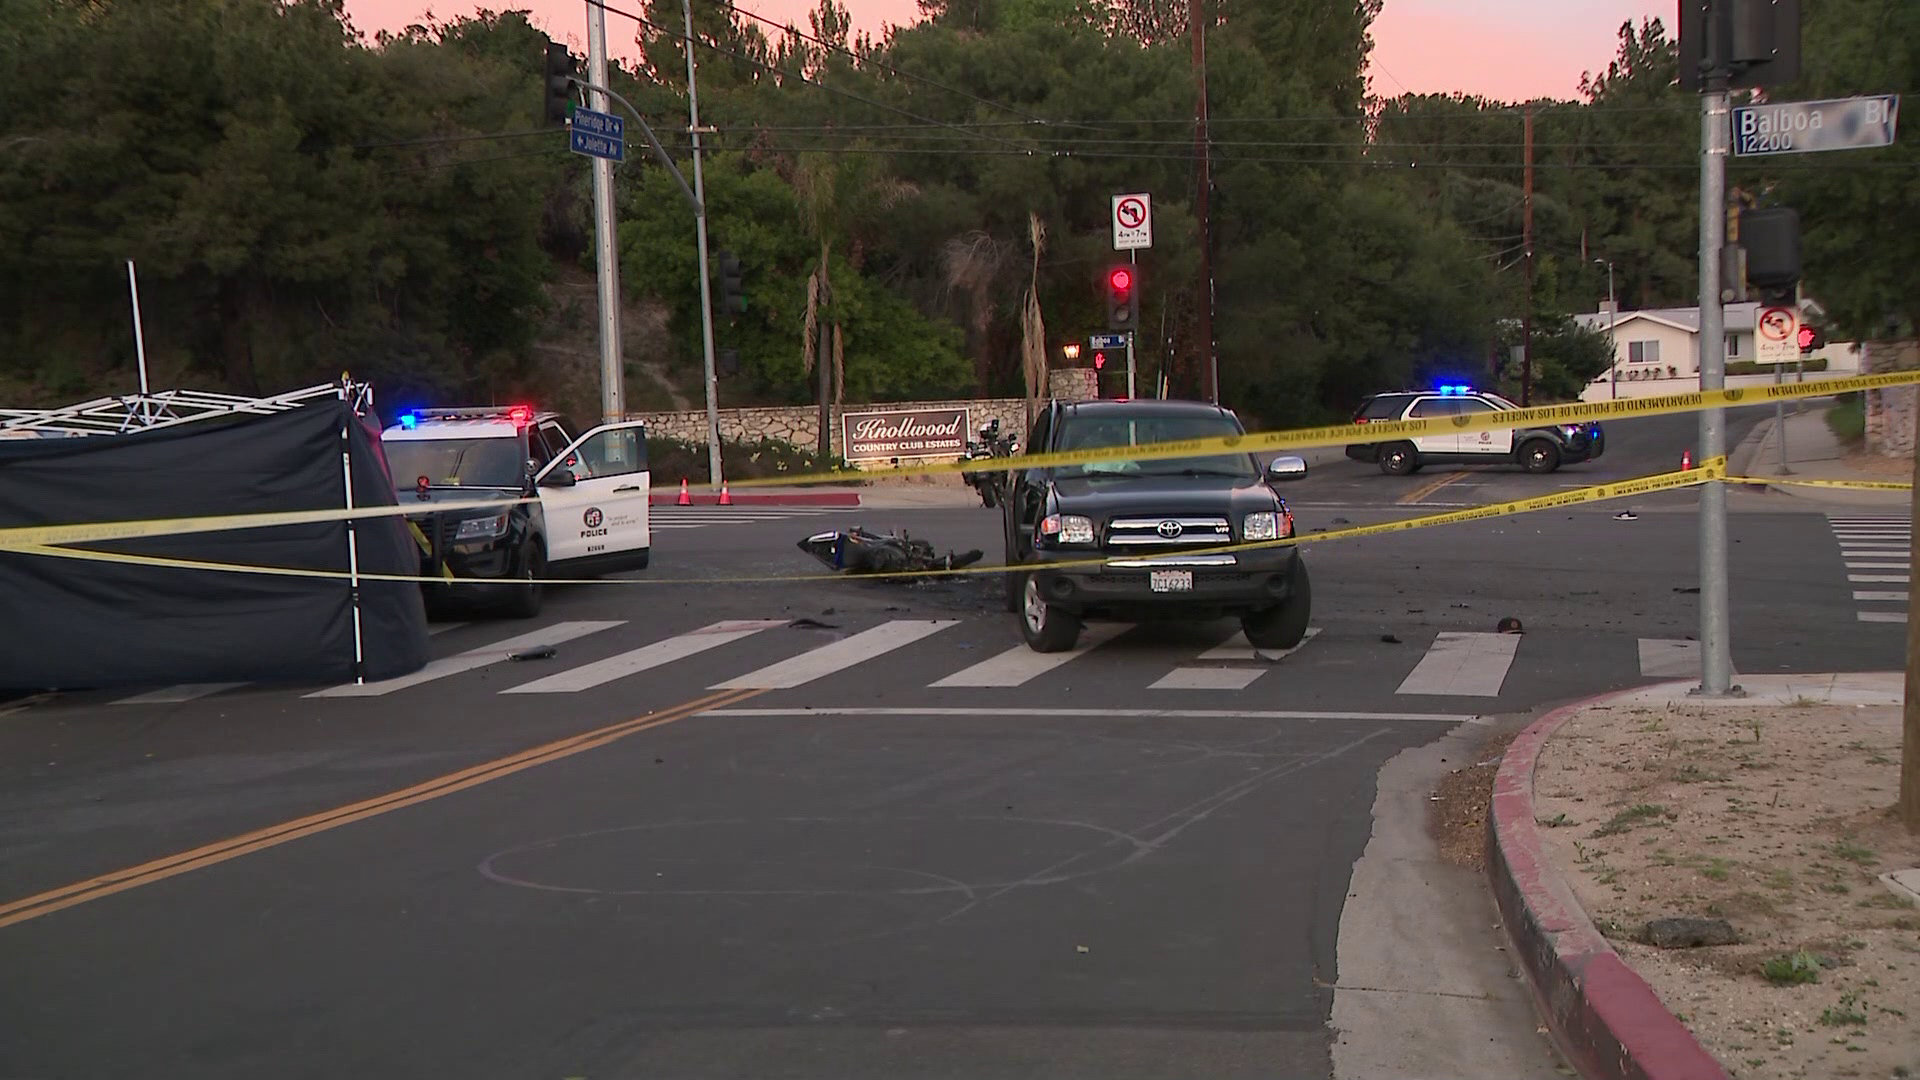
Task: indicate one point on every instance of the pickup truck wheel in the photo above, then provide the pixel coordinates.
(1284, 625)
(1539, 456)
(1399, 459)
(1045, 627)
(528, 595)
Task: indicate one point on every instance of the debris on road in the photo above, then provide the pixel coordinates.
(541, 652)
(858, 551)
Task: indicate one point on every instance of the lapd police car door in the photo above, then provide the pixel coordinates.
(1495, 443)
(1431, 408)
(603, 513)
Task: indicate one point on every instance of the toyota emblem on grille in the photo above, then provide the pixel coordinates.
(1169, 529)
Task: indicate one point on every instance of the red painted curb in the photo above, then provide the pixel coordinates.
(821, 498)
(1606, 1019)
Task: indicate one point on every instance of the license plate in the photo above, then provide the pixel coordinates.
(1170, 580)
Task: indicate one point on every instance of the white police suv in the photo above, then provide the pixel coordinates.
(1539, 449)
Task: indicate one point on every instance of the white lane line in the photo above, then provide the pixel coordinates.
(1883, 544)
(1208, 678)
(1888, 597)
(1668, 657)
(469, 660)
(174, 695)
(634, 661)
(1021, 665)
(1463, 665)
(1878, 565)
(1903, 555)
(1884, 579)
(1100, 714)
(1238, 648)
(1882, 616)
(840, 655)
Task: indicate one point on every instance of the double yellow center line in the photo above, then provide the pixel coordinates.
(133, 877)
(1430, 487)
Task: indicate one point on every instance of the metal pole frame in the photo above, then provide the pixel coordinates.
(606, 246)
(1133, 260)
(700, 234)
(353, 535)
(139, 339)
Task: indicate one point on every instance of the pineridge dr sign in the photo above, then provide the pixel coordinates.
(904, 433)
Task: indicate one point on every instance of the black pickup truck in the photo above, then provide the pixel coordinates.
(1133, 540)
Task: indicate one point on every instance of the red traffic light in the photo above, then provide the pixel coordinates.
(1099, 360)
(1806, 337)
(1121, 279)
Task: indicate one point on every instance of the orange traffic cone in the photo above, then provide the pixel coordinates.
(725, 499)
(1686, 460)
(686, 499)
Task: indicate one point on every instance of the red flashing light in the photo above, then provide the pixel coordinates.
(521, 414)
(1121, 279)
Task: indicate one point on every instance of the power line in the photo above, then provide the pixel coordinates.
(764, 66)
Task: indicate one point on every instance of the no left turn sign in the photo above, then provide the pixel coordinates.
(1132, 222)
(1776, 335)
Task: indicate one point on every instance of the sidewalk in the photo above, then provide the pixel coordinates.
(1814, 453)
(1763, 822)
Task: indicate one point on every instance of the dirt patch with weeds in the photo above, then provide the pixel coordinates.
(1776, 819)
(1458, 822)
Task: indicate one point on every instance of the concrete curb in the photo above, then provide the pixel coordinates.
(1606, 1019)
(816, 498)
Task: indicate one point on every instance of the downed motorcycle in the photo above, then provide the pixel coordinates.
(857, 551)
(991, 486)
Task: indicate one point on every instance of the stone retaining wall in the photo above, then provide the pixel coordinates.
(800, 424)
(1890, 413)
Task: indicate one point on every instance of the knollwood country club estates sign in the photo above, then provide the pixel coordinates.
(903, 433)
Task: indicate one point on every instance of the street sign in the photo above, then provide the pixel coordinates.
(1804, 127)
(1107, 341)
(1776, 336)
(598, 134)
(1132, 222)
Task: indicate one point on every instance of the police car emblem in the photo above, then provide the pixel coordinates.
(593, 517)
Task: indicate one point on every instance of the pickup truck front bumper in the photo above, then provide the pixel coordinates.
(1123, 586)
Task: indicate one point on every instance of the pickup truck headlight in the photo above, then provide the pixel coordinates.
(1068, 528)
(485, 528)
(1264, 525)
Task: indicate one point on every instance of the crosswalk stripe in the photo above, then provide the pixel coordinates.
(838, 656)
(1668, 657)
(1463, 665)
(634, 661)
(173, 695)
(1887, 596)
(1021, 665)
(1878, 565)
(1882, 616)
(469, 660)
(1238, 647)
(1885, 579)
(1209, 678)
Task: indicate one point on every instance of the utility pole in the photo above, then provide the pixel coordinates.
(1202, 149)
(1909, 805)
(1716, 647)
(1613, 324)
(613, 385)
(700, 231)
(1526, 253)
(824, 363)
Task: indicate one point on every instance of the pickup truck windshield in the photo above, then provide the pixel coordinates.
(493, 463)
(1101, 432)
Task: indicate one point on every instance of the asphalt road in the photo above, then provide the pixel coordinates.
(866, 845)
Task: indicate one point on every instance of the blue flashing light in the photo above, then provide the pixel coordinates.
(1455, 389)
(409, 421)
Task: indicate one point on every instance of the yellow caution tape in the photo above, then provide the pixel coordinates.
(1855, 485)
(20, 537)
(1375, 432)
(1709, 470)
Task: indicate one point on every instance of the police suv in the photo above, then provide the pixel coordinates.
(568, 506)
(1536, 449)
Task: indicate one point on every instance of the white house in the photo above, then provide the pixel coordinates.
(1657, 351)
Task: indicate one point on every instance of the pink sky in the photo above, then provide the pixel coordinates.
(1504, 49)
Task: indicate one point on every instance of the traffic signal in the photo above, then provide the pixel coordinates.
(1099, 360)
(1123, 299)
(1811, 337)
(733, 298)
(1755, 43)
(562, 70)
(1771, 237)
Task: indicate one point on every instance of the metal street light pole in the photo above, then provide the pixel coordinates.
(1716, 648)
(613, 386)
(1613, 323)
(700, 235)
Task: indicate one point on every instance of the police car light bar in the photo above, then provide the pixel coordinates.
(518, 414)
(1455, 389)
